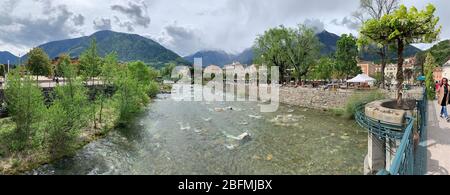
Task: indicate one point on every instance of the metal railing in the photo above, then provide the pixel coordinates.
(404, 160)
(403, 163)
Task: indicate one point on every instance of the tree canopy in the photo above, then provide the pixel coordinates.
(38, 62)
(346, 57)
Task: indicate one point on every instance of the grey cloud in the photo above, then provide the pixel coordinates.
(78, 20)
(182, 40)
(128, 25)
(102, 24)
(350, 24)
(137, 13)
(315, 24)
(31, 32)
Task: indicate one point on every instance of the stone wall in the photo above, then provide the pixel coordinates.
(321, 99)
(314, 98)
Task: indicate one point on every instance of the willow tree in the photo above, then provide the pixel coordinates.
(270, 49)
(303, 49)
(404, 27)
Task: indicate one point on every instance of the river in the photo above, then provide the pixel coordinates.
(203, 138)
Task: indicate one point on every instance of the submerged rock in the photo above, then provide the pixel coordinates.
(184, 128)
(231, 146)
(255, 116)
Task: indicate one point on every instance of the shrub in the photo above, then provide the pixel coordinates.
(358, 99)
(26, 106)
(153, 89)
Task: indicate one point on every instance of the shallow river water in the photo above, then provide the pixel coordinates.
(205, 138)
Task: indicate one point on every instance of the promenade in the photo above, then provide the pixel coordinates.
(437, 142)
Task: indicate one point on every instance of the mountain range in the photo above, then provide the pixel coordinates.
(6, 56)
(129, 47)
(327, 39)
(440, 52)
(221, 58)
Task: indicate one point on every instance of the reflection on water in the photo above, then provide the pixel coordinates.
(223, 138)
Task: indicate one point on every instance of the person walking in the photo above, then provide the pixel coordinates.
(444, 98)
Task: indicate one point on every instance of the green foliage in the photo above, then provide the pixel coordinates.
(90, 61)
(303, 49)
(38, 62)
(153, 89)
(153, 73)
(271, 49)
(440, 51)
(109, 68)
(26, 107)
(403, 27)
(359, 99)
(166, 71)
(64, 60)
(130, 95)
(429, 66)
(140, 72)
(324, 69)
(346, 57)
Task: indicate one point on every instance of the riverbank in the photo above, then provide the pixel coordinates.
(21, 162)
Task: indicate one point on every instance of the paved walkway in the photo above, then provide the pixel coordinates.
(438, 142)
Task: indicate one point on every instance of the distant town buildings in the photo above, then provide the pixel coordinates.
(368, 68)
(390, 71)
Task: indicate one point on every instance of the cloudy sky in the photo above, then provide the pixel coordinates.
(185, 26)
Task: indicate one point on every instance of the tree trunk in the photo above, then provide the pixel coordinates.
(400, 79)
(383, 66)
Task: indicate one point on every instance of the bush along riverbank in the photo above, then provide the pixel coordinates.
(38, 132)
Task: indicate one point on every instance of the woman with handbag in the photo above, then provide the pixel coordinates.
(444, 98)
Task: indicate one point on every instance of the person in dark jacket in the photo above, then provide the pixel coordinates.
(444, 98)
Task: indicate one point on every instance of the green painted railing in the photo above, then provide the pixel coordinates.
(404, 160)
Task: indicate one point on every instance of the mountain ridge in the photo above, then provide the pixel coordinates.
(129, 47)
(328, 40)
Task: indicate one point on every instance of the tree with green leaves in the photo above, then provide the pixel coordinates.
(68, 113)
(271, 49)
(64, 59)
(130, 94)
(38, 63)
(25, 103)
(90, 62)
(346, 57)
(429, 65)
(404, 27)
(140, 71)
(324, 69)
(166, 71)
(375, 39)
(303, 49)
(90, 67)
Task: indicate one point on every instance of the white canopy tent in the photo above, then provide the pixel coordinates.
(361, 78)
